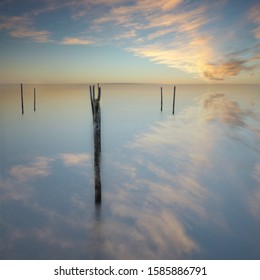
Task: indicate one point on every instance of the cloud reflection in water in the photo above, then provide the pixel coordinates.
(188, 182)
(188, 188)
(43, 207)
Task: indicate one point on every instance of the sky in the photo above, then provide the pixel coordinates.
(130, 41)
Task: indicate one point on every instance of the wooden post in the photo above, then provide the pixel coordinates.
(96, 113)
(161, 99)
(173, 102)
(91, 100)
(22, 99)
(99, 92)
(34, 99)
(93, 92)
(97, 155)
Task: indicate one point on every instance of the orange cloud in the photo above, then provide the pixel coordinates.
(223, 70)
(36, 36)
(188, 54)
(76, 41)
(125, 14)
(169, 32)
(177, 38)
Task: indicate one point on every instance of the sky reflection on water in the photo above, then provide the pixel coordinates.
(173, 187)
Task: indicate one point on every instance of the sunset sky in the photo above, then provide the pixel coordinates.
(150, 41)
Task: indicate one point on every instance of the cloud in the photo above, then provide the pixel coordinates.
(22, 27)
(179, 38)
(187, 54)
(193, 57)
(186, 48)
(172, 35)
(139, 7)
(227, 69)
(77, 41)
(175, 33)
(36, 36)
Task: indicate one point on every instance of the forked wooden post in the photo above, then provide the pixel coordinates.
(22, 99)
(96, 114)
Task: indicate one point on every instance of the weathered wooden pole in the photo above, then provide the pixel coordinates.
(96, 113)
(97, 156)
(173, 102)
(161, 99)
(34, 99)
(99, 92)
(91, 100)
(93, 92)
(22, 99)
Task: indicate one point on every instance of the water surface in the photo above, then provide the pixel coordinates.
(173, 187)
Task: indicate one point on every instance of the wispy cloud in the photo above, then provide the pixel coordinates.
(179, 37)
(180, 34)
(188, 53)
(22, 27)
(229, 68)
(195, 56)
(36, 36)
(77, 41)
(176, 37)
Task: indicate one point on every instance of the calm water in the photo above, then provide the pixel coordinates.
(173, 187)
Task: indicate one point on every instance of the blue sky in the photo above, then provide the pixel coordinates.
(167, 41)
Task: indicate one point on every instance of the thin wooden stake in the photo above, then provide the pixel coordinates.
(22, 99)
(173, 102)
(34, 99)
(161, 99)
